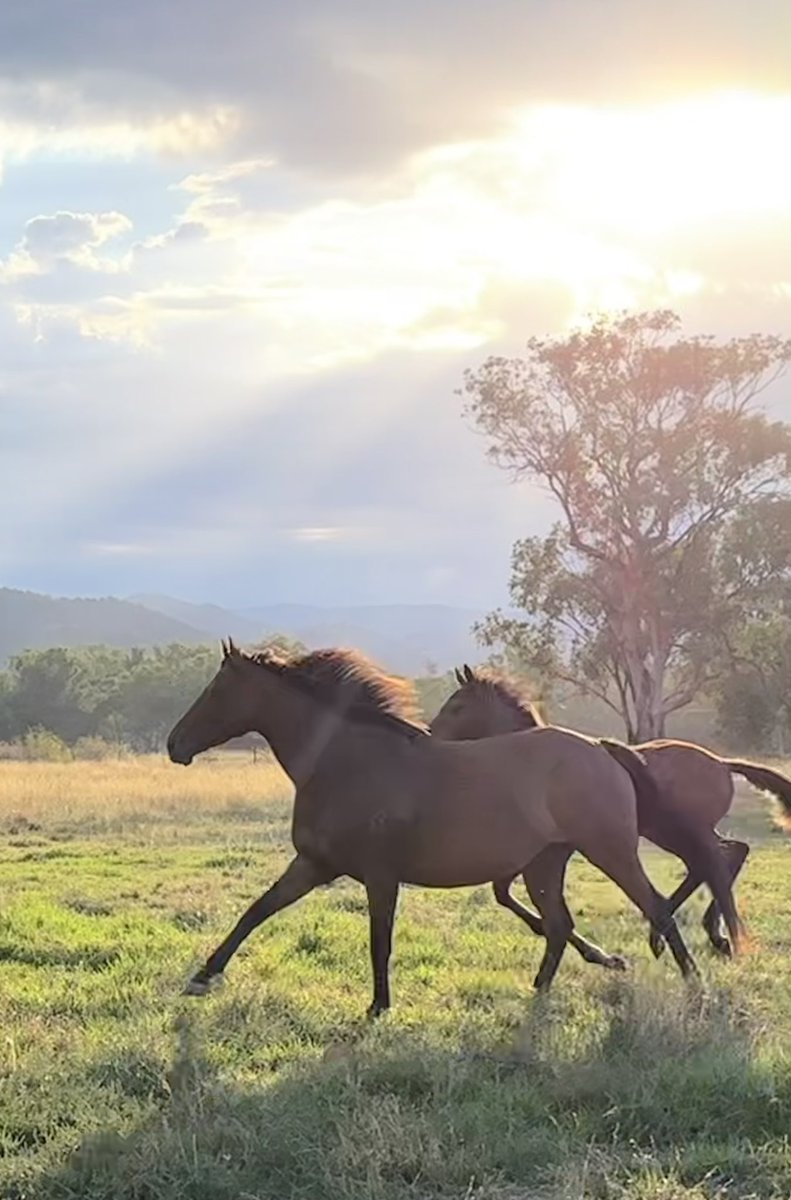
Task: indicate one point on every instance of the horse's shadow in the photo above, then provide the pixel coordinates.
(663, 1081)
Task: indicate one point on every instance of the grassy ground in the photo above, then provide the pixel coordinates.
(116, 879)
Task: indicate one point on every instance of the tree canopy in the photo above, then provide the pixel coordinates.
(674, 497)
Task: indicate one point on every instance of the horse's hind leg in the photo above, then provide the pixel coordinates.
(588, 950)
(736, 855)
(502, 894)
(627, 871)
(544, 882)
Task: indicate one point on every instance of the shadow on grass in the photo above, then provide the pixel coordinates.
(94, 958)
(666, 1099)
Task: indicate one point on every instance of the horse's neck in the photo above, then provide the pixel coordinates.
(297, 728)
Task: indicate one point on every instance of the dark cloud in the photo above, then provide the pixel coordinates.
(333, 85)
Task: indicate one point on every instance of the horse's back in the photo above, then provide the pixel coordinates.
(570, 780)
(690, 778)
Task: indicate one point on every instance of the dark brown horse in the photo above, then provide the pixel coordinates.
(695, 784)
(379, 800)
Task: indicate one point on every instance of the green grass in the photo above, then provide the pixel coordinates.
(113, 1086)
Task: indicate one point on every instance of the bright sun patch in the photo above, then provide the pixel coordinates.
(647, 170)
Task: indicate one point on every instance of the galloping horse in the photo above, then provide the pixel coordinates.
(380, 800)
(695, 784)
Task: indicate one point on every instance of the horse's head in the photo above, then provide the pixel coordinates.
(225, 709)
(482, 706)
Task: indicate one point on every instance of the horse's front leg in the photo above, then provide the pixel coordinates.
(382, 898)
(301, 876)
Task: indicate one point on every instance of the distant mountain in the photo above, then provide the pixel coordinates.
(403, 637)
(30, 621)
(219, 622)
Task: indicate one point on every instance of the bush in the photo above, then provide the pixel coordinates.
(98, 748)
(41, 745)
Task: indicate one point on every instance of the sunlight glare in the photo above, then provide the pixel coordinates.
(652, 169)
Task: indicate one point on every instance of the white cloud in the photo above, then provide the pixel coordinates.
(433, 257)
(212, 181)
(329, 533)
(68, 127)
(65, 237)
(339, 87)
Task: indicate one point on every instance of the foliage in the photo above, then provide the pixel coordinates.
(98, 699)
(664, 472)
(41, 745)
(124, 696)
(94, 748)
(433, 690)
(753, 704)
(159, 687)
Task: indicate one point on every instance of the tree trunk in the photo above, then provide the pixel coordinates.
(649, 722)
(647, 685)
(649, 726)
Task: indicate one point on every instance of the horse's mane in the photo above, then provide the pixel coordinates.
(508, 692)
(348, 682)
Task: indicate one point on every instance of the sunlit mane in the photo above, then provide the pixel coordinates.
(346, 680)
(508, 692)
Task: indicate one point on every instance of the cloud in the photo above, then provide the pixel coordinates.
(238, 348)
(57, 119)
(330, 533)
(69, 234)
(338, 88)
(443, 255)
(212, 181)
(66, 237)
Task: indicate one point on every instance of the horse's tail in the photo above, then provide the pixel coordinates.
(766, 780)
(699, 847)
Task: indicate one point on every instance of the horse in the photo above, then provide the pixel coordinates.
(379, 800)
(695, 784)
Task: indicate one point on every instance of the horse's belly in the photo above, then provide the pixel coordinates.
(432, 875)
(465, 861)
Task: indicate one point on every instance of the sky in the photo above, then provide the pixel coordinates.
(248, 249)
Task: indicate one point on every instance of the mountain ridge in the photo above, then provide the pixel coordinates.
(402, 637)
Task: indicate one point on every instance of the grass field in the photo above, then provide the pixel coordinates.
(116, 879)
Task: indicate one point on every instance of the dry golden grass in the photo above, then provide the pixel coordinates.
(116, 793)
(112, 793)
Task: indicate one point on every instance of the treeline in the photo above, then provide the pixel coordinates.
(126, 698)
(98, 700)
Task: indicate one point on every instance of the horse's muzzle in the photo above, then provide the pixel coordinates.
(179, 754)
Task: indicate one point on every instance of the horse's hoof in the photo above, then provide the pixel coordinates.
(616, 962)
(201, 985)
(722, 947)
(375, 1010)
(657, 944)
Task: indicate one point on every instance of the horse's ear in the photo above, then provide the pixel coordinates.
(469, 674)
(225, 650)
(233, 651)
(459, 677)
